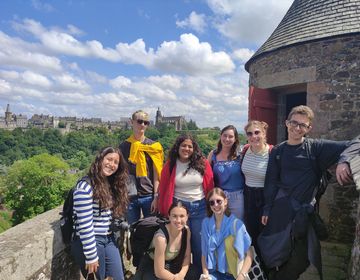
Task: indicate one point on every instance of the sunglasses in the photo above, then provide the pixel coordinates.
(215, 201)
(249, 133)
(143, 122)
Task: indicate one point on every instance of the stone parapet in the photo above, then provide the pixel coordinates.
(34, 250)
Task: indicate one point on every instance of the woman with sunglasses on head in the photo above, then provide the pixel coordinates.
(145, 160)
(222, 236)
(225, 162)
(99, 199)
(169, 258)
(255, 157)
(187, 177)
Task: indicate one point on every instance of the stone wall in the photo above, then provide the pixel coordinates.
(34, 250)
(331, 71)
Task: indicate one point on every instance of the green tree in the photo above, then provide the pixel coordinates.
(191, 125)
(36, 185)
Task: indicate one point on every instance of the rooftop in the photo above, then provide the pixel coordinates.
(309, 20)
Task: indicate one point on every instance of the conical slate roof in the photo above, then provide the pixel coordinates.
(308, 20)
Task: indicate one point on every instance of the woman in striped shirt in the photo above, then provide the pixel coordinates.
(95, 205)
(255, 157)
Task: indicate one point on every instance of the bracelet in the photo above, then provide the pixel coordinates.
(245, 275)
(156, 195)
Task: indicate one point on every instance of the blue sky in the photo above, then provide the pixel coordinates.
(109, 58)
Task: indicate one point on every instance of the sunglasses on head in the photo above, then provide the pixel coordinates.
(215, 201)
(143, 122)
(250, 133)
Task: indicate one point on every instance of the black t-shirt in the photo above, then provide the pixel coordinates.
(144, 185)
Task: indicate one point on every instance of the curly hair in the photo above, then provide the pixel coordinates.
(197, 159)
(111, 192)
(218, 192)
(234, 147)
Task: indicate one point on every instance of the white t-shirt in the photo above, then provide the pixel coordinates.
(188, 187)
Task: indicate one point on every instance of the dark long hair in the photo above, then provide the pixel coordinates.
(197, 160)
(218, 192)
(234, 147)
(110, 192)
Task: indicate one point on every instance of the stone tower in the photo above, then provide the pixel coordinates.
(8, 114)
(313, 58)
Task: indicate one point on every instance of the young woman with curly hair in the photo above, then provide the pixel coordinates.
(225, 161)
(98, 199)
(187, 177)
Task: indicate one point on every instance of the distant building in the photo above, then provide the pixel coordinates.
(178, 121)
(12, 121)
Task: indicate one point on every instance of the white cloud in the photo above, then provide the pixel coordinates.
(187, 56)
(18, 53)
(36, 79)
(69, 82)
(192, 57)
(120, 82)
(244, 21)
(242, 55)
(194, 21)
(39, 5)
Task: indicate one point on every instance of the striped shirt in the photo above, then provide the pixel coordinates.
(89, 222)
(254, 168)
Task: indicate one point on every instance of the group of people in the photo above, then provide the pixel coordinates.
(214, 204)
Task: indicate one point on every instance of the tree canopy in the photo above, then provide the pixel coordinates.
(36, 185)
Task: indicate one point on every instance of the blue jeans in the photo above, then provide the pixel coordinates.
(236, 203)
(197, 212)
(137, 205)
(216, 275)
(109, 257)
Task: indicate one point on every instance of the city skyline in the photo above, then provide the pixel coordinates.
(120, 56)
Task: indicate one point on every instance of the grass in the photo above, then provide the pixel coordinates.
(5, 220)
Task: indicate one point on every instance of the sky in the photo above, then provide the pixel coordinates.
(107, 58)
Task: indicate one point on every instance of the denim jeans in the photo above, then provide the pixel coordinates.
(137, 205)
(109, 257)
(197, 212)
(236, 203)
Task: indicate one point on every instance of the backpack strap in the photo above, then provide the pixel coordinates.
(323, 177)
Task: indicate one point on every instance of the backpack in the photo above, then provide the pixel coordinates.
(141, 235)
(67, 216)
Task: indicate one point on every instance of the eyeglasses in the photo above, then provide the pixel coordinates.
(143, 122)
(250, 133)
(215, 201)
(302, 126)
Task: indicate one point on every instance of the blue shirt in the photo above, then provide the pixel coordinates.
(227, 174)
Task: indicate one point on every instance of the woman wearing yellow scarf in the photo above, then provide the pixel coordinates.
(145, 160)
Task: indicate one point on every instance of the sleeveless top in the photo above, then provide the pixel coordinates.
(173, 260)
(227, 174)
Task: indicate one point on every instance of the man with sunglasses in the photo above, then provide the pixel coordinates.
(292, 180)
(145, 161)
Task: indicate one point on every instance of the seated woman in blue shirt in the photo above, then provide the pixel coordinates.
(95, 205)
(224, 236)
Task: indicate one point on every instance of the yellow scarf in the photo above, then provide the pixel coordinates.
(137, 156)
